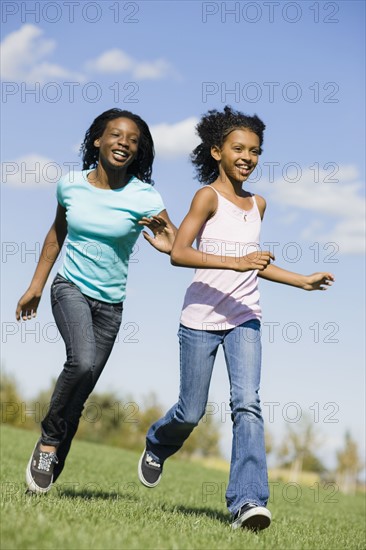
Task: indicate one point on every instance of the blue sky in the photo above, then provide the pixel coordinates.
(300, 67)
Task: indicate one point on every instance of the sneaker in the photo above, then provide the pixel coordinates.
(252, 517)
(39, 473)
(63, 450)
(58, 467)
(149, 470)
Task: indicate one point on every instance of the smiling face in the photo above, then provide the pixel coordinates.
(238, 155)
(119, 143)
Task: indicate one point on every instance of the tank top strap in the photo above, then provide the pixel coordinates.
(219, 196)
(213, 189)
(254, 199)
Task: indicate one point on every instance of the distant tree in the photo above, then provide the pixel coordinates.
(11, 402)
(349, 465)
(125, 422)
(297, 450)
(16, 410)
(148, 412)
(102, 419)
(106, 418)
(204, 441)
(37, 408)
(269, 442)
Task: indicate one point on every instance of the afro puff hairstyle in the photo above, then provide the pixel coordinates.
(213, 128)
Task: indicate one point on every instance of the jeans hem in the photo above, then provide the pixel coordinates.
(51, 442)
(246, 501)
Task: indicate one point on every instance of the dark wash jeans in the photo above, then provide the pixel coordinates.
(89, 329)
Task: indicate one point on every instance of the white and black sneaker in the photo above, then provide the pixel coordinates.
(149, 470)
(252, 517)
(39, 472)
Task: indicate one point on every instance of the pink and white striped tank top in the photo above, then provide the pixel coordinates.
(221, 299)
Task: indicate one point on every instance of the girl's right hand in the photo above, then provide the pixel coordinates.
(255, 260)
(28, 305)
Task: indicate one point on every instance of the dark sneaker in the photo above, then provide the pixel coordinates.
(63, 450)
(252, 517)
(39, 473)
(57, 470)
(149, 470)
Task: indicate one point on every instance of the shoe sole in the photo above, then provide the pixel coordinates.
(32, 485)
(255, 520)
(141, 476)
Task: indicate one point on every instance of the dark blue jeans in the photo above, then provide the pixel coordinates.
(89, 329)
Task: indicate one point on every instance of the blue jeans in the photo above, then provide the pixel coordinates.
(242, 348)
(89, 329)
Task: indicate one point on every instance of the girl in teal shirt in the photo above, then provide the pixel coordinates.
(102, 210)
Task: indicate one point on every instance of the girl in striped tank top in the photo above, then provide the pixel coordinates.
(221, 306)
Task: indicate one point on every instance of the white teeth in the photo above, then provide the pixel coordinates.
(120, 153)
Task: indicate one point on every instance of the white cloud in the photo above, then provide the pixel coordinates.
(118, 61)
(333, 198)
(25, 58)
(175, 139)
(23, 54)
(111, 61)
(31, 170)
(153, 70)
(348, 236)
(340, 199)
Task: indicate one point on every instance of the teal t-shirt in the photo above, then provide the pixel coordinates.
(102, 231)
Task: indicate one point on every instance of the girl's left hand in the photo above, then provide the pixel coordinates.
(163, 231)
(318, 281)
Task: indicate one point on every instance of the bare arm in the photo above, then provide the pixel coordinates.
(183, 254)
(316, 281)
(28, 303)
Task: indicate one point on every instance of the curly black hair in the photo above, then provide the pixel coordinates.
(141, 167)
(213, 128)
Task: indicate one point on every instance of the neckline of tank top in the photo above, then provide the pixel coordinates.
(233, 203)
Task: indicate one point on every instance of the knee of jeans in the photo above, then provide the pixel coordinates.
(80, 366)
(251, 407)
(191, 417)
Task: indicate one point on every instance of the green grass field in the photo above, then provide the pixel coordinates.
(98, 502)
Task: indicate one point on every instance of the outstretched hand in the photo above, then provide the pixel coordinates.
(318, 281)
(27, 306)
(163, 233)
